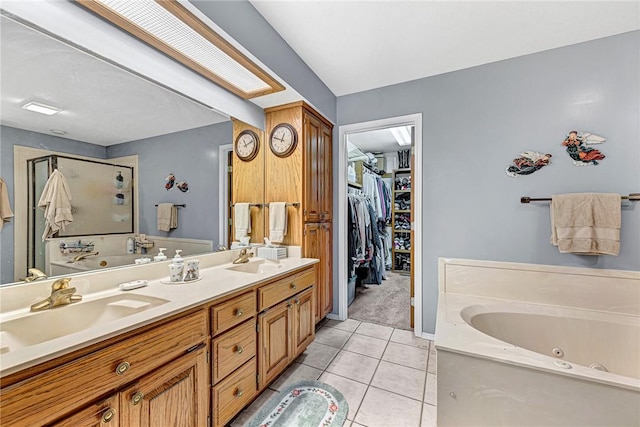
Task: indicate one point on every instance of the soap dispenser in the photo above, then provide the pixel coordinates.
(176, 267)
(177, 259)
(161, 256)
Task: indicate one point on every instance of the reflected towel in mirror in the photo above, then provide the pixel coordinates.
(56, 203)
(242, 219)
(5, 207)
(277, 221)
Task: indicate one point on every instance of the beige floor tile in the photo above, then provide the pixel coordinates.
(413, 357)
(353, 391)
(294, 373)
(430, 391)
(381, 408)
(433, 362)
(355, 424)
(409, 338)
(348, 325)
(373, 330)
(332, 336)
(353, 366)
(318, 355)
(245, 416)
(369, 346)
(399, 379)
(428, 416)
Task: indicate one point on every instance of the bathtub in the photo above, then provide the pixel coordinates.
(523, 344)
(94, 262)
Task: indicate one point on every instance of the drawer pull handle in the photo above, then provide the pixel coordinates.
(239, 393)
(297, 301)
(137, 397)
(239, 349)
(122, 368)
(108, 415)
(289, 305)
(239, 312)
(293, 286)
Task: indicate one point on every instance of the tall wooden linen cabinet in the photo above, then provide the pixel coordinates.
(305, 177)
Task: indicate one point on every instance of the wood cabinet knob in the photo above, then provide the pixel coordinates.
(108, 415)
(137, 397)
(122, 368)
(239, 349)
(294, 286)
(239, 312)
(297, 301)
(239, 393)
(289, 305)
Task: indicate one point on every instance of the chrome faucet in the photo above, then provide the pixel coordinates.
(222, 248)
(35, 274)
(243, 257)
(84, 255)
(61, 294)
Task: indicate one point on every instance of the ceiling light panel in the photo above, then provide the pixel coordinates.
(169, 27)
(38, 107)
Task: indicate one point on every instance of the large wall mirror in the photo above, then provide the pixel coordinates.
(107, 113)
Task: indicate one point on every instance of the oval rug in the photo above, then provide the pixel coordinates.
(304, 404)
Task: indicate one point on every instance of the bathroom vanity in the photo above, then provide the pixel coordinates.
(187, 355)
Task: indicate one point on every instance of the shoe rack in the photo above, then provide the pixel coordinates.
(401, 221)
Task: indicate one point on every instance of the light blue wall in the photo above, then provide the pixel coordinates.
(9, 137)
(192, 156)
(245, 25)
(475, 121)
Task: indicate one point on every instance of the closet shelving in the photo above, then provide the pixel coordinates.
(401, 221)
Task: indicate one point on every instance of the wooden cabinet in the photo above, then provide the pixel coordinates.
(285, 330)
(105, 412)
(317, 169)
(318, 242)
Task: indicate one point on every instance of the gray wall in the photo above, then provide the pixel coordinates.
(475, 121)
(245, 24)
(192, 156)
(9, 137)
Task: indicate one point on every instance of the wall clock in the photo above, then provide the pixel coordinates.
(283, 140)
(247, 145)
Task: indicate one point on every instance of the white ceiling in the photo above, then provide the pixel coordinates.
(359, 45)
(377, 141)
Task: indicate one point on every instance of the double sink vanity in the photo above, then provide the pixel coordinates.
(191, 354)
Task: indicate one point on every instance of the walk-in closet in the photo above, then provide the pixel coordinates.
(379, 206)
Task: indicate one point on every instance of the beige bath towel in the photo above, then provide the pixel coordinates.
(277, 221)
(5, 207)
(586, 223)
(167, 216)
(242, 219)
(56, 203)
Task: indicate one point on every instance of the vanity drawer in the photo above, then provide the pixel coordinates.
(272, 294)
(233, 393)
(232, 349)
(233, 312)
(47, 396)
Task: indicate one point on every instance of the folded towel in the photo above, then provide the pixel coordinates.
(56, 203)
(167, 216)
(586, 223)
(277, 221)
(242, 219)
(5, 207)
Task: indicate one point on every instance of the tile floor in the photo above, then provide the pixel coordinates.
(388, 376)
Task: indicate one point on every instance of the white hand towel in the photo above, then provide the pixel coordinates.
(277, 221)
(242, 219)
(586, 223)
(5, 207)
(165, 217)
(56, 203)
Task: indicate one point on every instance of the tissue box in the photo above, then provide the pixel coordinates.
(272, 253)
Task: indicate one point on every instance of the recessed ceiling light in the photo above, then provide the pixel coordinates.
(57, 132)
(402, 135)
(172, 29)
(39, 107)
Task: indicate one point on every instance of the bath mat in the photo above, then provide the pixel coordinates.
(304, 404)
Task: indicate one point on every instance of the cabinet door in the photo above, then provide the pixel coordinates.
(273, 341)
(325, 174)
(105, 413)
(175, 395)
(304, 330)
(326, 266)
(313, 169)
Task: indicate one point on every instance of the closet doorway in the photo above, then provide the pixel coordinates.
(376, 284)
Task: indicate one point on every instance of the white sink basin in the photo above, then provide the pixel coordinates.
(35, 328)
(258, 267)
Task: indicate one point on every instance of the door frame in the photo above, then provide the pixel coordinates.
(223, 194)
(414, 120)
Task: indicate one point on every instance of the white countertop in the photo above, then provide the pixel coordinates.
(217, 281)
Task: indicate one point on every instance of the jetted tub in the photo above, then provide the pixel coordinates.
(93, 262)
(530, 345)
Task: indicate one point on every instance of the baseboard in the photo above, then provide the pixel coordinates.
(427, 336)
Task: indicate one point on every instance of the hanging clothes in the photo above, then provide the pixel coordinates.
(56, 203)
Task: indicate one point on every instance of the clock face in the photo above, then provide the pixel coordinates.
(247, 145)
(283, 140)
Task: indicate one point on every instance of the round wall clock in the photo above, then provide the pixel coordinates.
(283, 140)
(247, 145)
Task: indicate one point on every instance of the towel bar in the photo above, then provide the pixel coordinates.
(633, 197)
(178, 206)
(259, 205)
